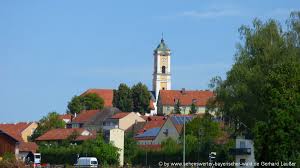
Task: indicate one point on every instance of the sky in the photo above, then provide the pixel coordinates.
(52, 50)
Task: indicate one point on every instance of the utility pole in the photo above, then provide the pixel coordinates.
(184, 137)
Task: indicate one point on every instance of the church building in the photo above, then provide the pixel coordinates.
(163, 98)
(162, 68)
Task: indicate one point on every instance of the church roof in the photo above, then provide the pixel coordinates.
(162, 46)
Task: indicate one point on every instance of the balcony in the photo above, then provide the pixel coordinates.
(240, 151)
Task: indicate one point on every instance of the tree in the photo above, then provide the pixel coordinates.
(170, 146)
(123, 98)
(177, 109)
(51, 121)
(130, 148)
(141, 98)
(202, 134)
(89, 101)
(106, 153)
(193, 108)
(262, 89)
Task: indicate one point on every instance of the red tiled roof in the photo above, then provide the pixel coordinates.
(186, 98)
(106, 94)
(151, 147)
(60, 134)
(15, 130)
(28, 147)
(65, 116)
(85, 116)
(152, 122)
(120, 115)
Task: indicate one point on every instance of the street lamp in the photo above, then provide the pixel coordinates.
(183, 137)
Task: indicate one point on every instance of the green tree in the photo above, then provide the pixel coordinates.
(177, 109)
(130, 148)
(262, 89)
(141, 98)
(202, 134)
(123, 98)
(85, 102)
(193, 108)
(170, 146)
(51, 121)
(107, 153)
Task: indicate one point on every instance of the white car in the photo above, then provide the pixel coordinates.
(87, 162)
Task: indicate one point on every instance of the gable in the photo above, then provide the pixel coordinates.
(168, 130)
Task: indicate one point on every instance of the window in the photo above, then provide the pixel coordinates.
(163, 69)
(163, 88)
(242, 144)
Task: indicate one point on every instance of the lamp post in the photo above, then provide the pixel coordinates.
(183, 137)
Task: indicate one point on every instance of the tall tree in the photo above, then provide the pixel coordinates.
(123, 98)
(85, 102)
(193, 108)
(262, 89)
(141, 98)
(51, 121)
(177, 109)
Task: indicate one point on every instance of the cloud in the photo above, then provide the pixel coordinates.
(214, 13)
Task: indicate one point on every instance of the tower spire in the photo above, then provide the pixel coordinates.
(162, 36)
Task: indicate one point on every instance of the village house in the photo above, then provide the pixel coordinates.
(92, 119)
(67, 118)
(244, 150)
(14, 139)
(8, 144)
(149, 131)
(122, 120)
(61, 134)
(172, 128)
(168, 98)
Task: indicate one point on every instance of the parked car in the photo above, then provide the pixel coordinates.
(86, 162)
(36, 160)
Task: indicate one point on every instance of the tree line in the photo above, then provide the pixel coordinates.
(262, 89)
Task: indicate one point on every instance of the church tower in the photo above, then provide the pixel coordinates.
(162, 68)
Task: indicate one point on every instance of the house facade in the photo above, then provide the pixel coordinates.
(8, 144)
(172, 128)
(243, 151)
(116, 137)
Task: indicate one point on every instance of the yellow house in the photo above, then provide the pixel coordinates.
(123, 120)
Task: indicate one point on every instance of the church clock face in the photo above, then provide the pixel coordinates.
(164, 60)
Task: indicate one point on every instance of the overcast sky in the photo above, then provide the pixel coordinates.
(53, 50)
